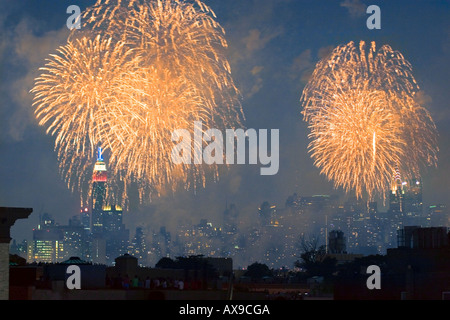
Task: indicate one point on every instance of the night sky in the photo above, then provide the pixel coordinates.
(274, 46)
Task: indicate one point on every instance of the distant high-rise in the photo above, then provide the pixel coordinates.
(437, 215)
(47, 245)
(336, 242)
(413, 205)
(54, 243)
(405, 200)
(99, 179)
(85, 217)
(138, 245)
(108, 233)
(112, 217)
(114, 232)
(230, 216)
(396, 196)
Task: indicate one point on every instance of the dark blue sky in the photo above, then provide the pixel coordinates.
(273, 47)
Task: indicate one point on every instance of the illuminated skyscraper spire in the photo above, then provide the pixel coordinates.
(397, 193)
(99, 179)
(100, 154)
(107, 228)
(100, 173)
(397, 176)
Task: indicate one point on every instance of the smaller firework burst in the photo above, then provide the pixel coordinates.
(364, 119)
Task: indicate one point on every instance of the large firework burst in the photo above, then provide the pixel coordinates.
(365, 119)
(135, 72)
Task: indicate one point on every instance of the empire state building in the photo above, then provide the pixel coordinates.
(99, 179)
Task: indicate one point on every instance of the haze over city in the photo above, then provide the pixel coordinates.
(274, 47)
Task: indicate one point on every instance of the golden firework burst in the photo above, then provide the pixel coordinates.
(137, 71)
(365, 121)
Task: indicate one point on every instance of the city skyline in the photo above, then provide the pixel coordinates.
(273, 47)
(97, 233)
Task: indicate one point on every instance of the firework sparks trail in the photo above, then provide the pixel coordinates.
(137, 71)
(365, 119)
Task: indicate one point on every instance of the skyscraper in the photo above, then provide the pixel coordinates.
(99, 179)
(138, 246)
(437, 216)
(336, 242)
(405, 200)
(396, 195)
(109, 237)
(413, 205)
(54, 243)
(114, 232)
(85, 217)
(48, 242)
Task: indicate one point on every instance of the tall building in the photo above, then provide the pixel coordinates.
(437, 215)
(85, 217)
(200, 239)
(412, 202)
(99, 179)
(396, 208)
(112, 218)
(109, 237)
(75, 239)
(231, 220)
(114, 232)
(161, 245)
(396, 195)
(336, 242)
(312, 213)
(375, 228)
(54, 243)
(405, 200)
(138, 246)
(413, 197)
(47, 243)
